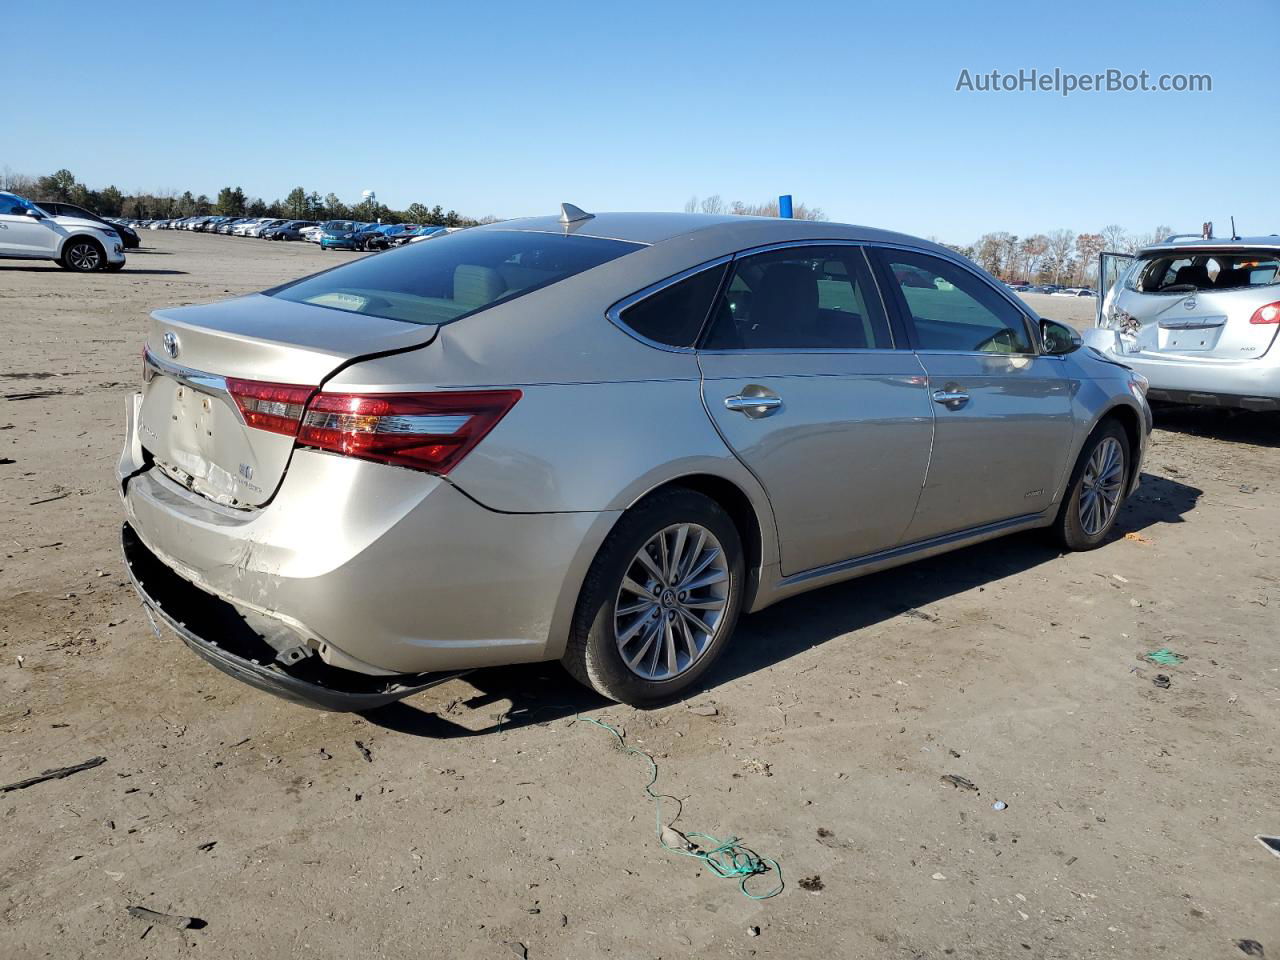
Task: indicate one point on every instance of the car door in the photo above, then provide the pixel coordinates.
(22, 235)
(804, 381)
(1111, 267)
(1004, 418)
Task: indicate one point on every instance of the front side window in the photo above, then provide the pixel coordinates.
(951, 308)
(453, 276)
(800, 298)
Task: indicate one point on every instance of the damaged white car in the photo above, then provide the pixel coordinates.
(1198, 317)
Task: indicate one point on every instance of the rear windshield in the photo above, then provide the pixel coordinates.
(453, 276)
(1190, 270)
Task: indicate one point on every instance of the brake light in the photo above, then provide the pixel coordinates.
(425, 431)
(274, 407)
(1268, 314)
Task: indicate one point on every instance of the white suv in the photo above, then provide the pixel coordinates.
(29, 233)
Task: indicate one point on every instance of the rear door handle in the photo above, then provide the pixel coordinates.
(753, 406)
(951, 398)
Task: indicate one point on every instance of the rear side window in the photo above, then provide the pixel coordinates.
(674, 315)
(453, 276)
(1189, 271)
(800, 298)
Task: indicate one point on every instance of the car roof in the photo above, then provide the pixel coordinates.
(1174, 244)
(710, 230)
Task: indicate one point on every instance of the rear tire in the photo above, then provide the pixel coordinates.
(672, 613)
(1096, 490)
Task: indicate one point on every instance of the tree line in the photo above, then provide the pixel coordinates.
(300, 204)
(1059, 256)
(716, 204)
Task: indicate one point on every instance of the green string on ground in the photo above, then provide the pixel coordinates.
(725, 858)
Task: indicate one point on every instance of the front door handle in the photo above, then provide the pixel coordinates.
(952, 397)
(754, 407)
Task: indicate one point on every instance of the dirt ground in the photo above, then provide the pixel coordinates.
(483, 822)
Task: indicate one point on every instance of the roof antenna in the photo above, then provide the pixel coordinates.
(571, 214)
(1234, 235)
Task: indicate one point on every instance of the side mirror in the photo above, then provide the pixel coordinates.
(33, 213)
(1058, 339)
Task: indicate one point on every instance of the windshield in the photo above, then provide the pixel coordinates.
(1188, 271)
(453, 276)
(339, 226)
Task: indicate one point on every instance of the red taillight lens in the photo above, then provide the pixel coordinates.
(426, 431)
(1268, 314)
(275, 407)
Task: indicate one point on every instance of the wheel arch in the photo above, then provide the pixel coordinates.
(81, 235)
(741, 510)
(1131, 423)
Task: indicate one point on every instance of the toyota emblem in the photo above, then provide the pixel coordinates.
(170, 342)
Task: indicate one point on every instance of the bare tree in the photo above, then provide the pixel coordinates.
(1115, 237)
(1033, 249)
(1157, 235)
(1059, 252)
(691, 205)
(713, 204)
(989, 251)
(1088, 246)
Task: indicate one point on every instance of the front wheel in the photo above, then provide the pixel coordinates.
(660, 601)
(1096, 491)
(82, 256)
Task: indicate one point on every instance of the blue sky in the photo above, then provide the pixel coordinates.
(508, 108)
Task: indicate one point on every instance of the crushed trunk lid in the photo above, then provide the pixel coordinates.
(190, 422)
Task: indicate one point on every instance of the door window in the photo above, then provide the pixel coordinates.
(953, 309)
(800, 298)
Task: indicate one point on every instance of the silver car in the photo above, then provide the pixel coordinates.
(1198, 317)
(593, 439)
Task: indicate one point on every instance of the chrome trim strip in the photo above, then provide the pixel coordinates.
(614, 313)
(1193, 323)
(854, 563)
(188, 376)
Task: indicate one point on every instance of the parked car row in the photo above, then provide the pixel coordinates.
(1053, 288)
(329, 234)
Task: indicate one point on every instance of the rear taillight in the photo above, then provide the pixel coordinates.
(425, 431)
(1268, 314)
(274, 407)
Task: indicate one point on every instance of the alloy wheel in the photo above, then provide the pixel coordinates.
(84, 256)
(1101, 486)
(672, 601)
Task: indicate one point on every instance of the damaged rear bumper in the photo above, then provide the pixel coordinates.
(228, 642)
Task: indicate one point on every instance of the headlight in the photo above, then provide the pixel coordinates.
(1138, 385)
(112, 234)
